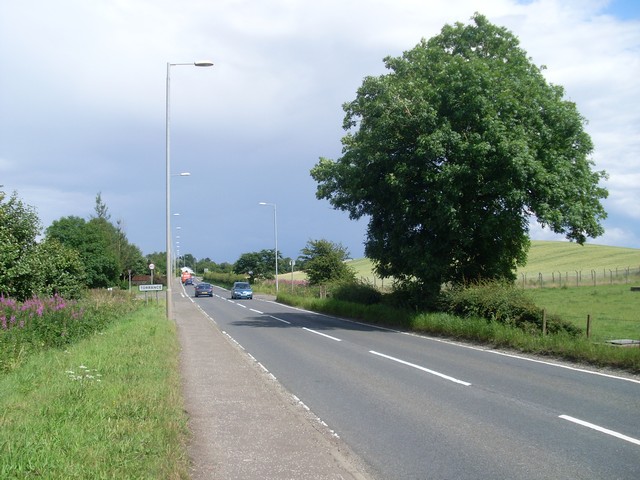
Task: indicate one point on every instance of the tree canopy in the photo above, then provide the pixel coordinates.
(323, 262)
(258, 265)
(19, 227)
(29, 268)
(454, 151)
(102, 246)
(89, 239)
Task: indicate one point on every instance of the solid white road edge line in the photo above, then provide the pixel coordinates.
(432, 372)
(601, 429)
(323, 334)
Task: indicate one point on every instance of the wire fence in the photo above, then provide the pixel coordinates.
(579, 278)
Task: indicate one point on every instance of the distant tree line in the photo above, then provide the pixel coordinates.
(74, 254)
(323, 262)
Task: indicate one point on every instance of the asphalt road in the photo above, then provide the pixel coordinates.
(415, 407)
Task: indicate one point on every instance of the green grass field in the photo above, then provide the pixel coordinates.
(614, 310)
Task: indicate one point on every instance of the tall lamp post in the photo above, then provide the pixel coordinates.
(168, 181)
(275, 232)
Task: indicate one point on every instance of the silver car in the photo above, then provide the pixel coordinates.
(241, 290)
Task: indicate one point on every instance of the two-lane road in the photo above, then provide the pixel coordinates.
(416, 407)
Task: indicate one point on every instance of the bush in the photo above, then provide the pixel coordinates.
(412, 296)
(356, 292)
(503, 303)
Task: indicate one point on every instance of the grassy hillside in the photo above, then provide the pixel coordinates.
(546, 258)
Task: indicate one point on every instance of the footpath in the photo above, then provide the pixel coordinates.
(244, 425)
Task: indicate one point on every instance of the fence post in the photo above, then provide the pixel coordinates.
(544, 321)
(588, 325)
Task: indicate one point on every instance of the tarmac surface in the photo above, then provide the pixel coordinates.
(243, 423)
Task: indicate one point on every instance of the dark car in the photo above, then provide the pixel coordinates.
(241, 290)
(204, 289)
(188, 281)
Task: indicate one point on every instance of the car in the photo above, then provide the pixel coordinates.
(241, 290)
(204, 289)
(188, 281)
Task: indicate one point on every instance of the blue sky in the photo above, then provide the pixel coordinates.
(82, 107)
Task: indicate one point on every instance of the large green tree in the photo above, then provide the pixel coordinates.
(323, 262)
(454, 151)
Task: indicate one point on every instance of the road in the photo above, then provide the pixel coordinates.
(415, 407)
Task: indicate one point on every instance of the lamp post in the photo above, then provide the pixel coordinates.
(168, 180)
(275, 232)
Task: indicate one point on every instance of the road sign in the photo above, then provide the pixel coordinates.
(150, 288)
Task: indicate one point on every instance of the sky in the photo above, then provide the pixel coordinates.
(83, 107)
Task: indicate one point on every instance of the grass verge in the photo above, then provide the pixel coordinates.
(109, 406)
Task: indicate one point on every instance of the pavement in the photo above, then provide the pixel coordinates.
(244, 425)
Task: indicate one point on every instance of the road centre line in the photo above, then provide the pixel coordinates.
(256, 311)
(432, 372)
(279, 319)
(323, 334)
(600, 429)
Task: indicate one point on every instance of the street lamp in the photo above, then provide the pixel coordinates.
(275, 232)
(168, 175)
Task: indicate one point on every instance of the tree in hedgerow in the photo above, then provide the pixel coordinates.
(323, 262)
(19, 227)
(29, 268)
(258, 265)
(451, 155)
(92, 242)
(57, 270)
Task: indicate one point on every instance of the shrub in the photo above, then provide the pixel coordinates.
(412, 296)
(356, 292)
(503, 303)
